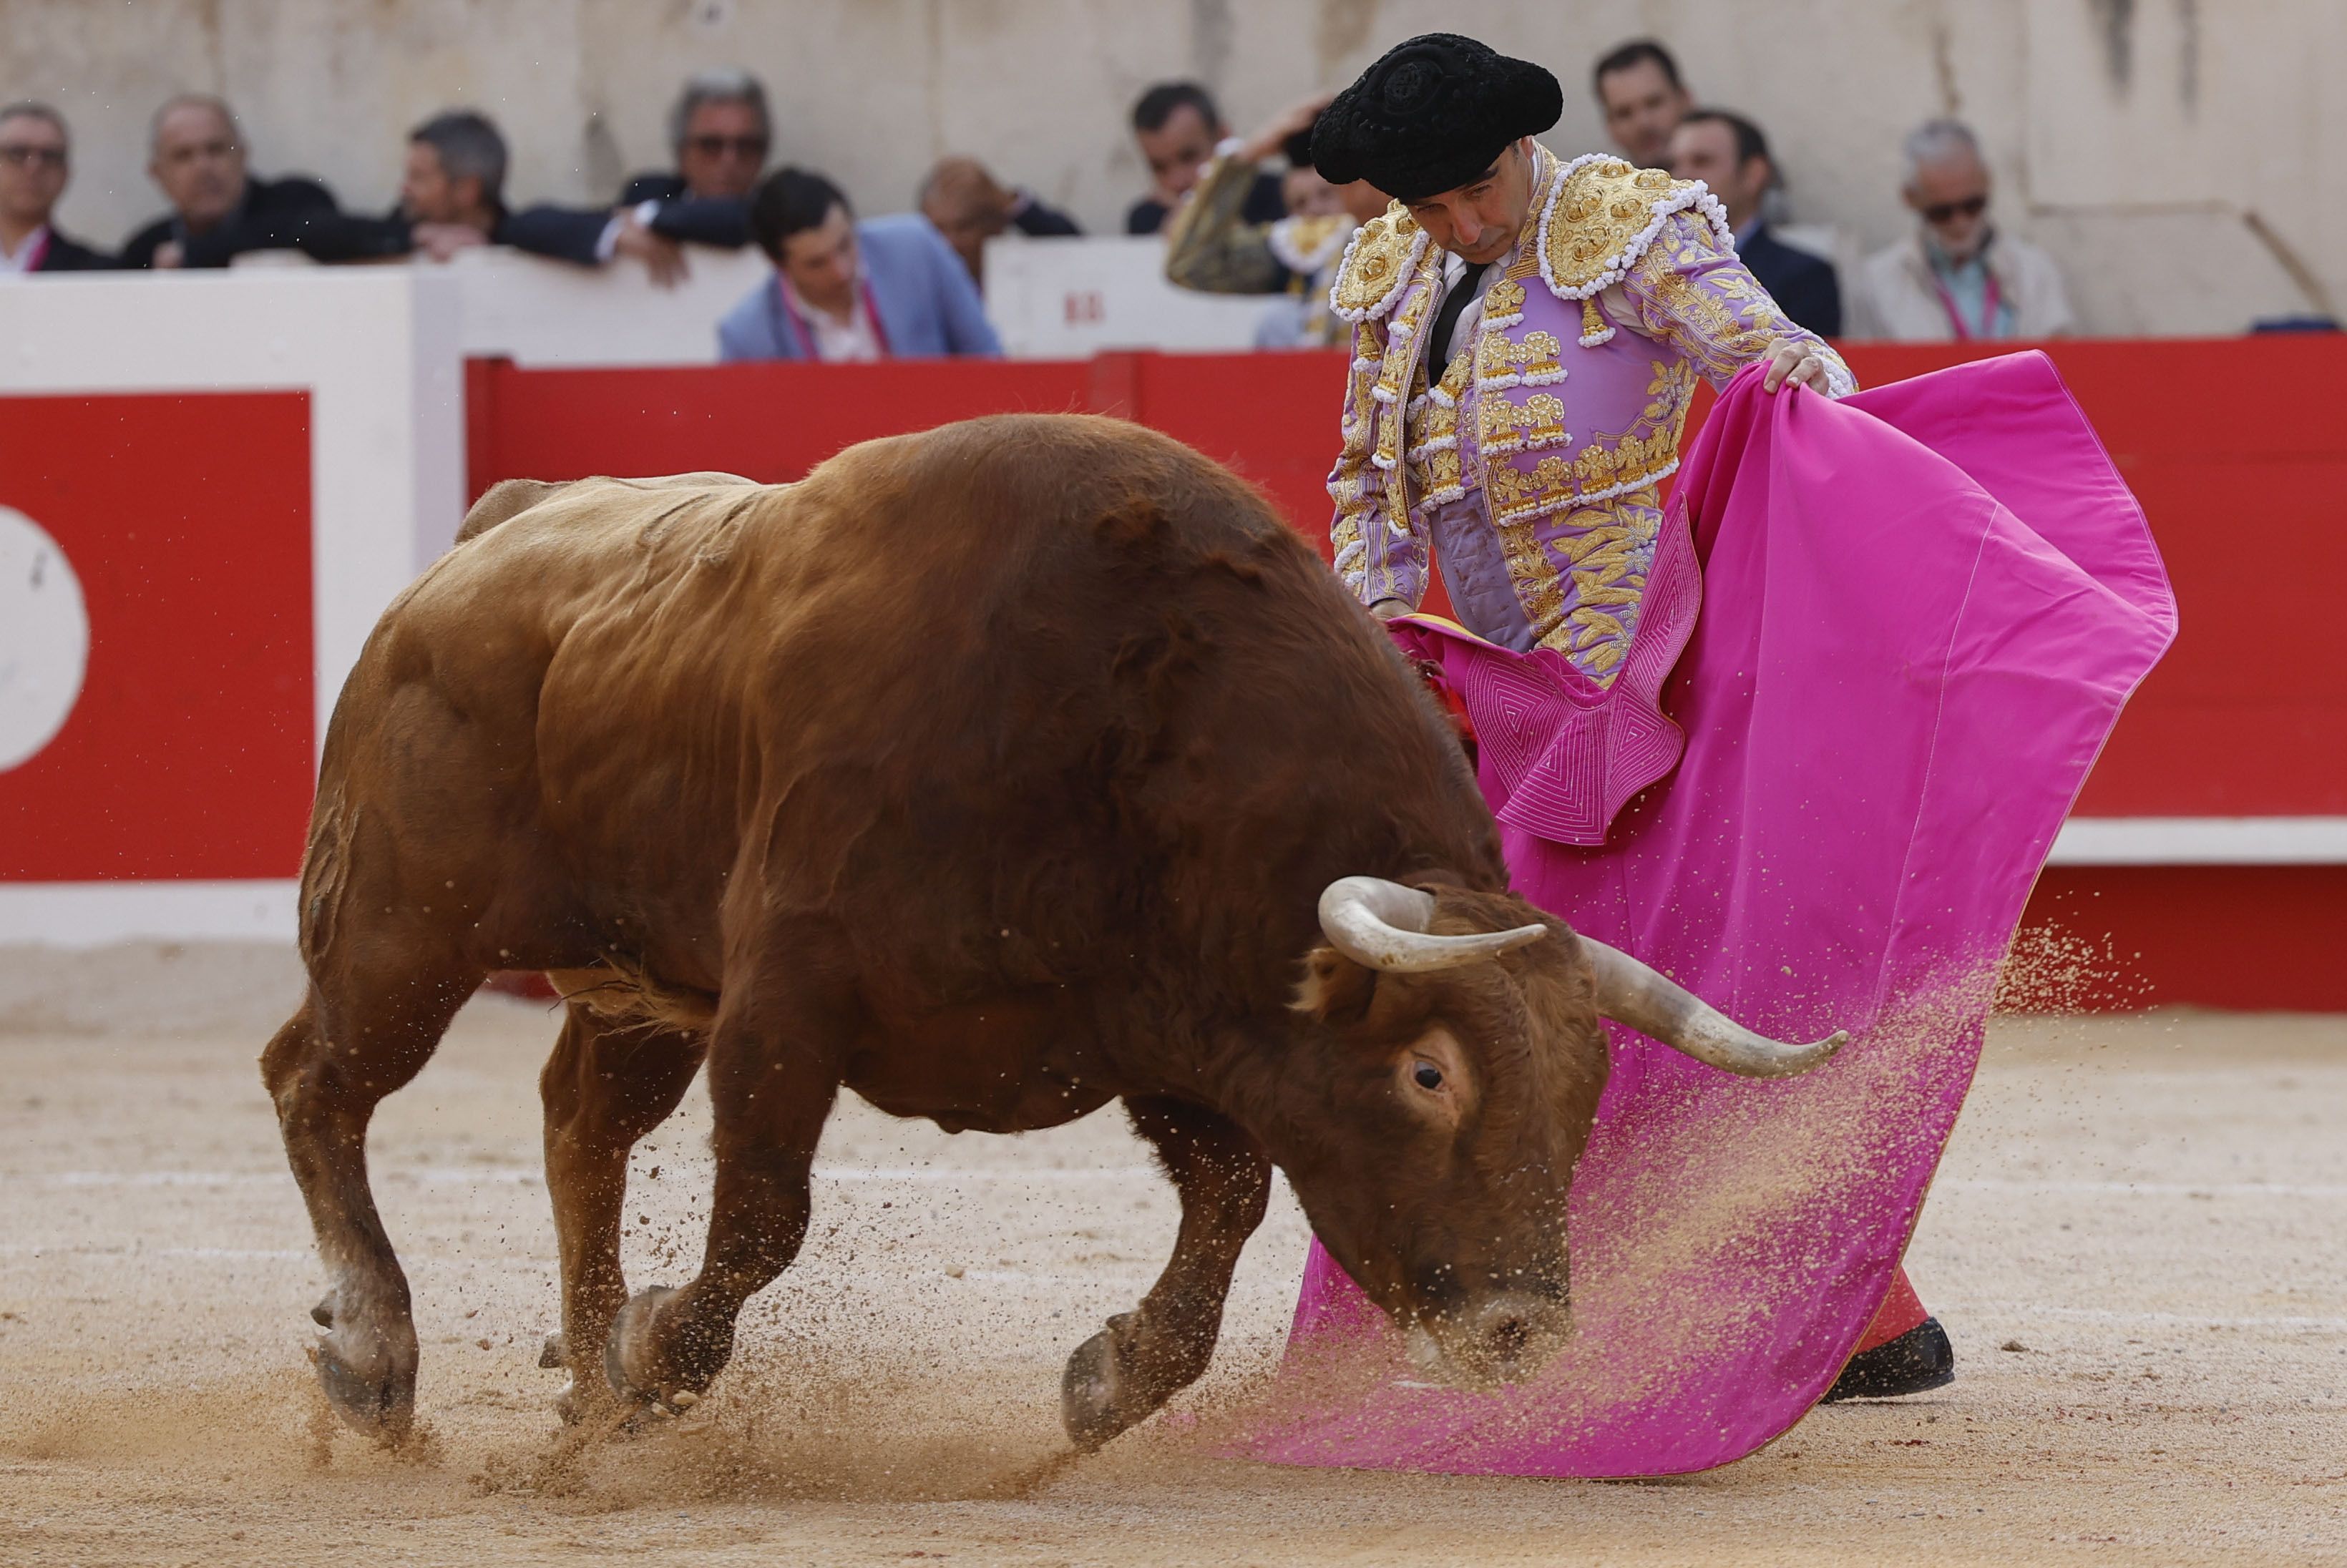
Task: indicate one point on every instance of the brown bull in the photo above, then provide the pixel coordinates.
(995, 773)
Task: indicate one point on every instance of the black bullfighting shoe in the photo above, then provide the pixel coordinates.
(1917, 1360)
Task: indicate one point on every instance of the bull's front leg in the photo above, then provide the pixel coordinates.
(1123, 1374)
(773, 1072)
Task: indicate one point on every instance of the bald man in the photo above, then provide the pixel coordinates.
(197, 155)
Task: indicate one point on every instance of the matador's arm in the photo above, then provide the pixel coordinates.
(1381, 555)
(1688, 290)
(1209, 248)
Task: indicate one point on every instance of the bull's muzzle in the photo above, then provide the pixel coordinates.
(1506, 1338)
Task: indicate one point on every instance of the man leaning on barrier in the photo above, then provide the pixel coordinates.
(721, 133)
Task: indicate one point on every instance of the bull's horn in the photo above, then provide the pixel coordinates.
(1630, 993)
(1382, 925)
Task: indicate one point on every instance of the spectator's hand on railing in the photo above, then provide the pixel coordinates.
(441, 241)
(1296, 116)
(662, 257)
(171, 253)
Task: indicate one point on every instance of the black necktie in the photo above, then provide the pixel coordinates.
(1454, 304)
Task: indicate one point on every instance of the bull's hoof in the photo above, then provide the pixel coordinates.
(629, 1363)
(381, 1407)
(554, 1354)
(1097, 1400)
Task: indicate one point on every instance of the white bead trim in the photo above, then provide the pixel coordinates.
(1695, 194)
(1445, 496)
(1544, 377)
(1429, 446)
(1590, 497)
(1597, 339)
(1281, 240)
(1384, 302)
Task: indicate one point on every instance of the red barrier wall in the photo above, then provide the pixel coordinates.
(2237, 453)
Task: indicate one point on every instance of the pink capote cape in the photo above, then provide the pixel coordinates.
(1922, 607)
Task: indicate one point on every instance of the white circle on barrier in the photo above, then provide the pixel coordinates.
(43, 639)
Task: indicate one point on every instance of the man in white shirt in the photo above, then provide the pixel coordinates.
(34, 161)
(1957, 277)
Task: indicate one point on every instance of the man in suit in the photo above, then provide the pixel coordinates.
(451, 198)
(34, 162)
(721, 133)
(887, 288)
(1177, 128)
(218, 210)
(1728, 152)
(1643, 100)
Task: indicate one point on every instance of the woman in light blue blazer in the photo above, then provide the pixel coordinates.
(884, 288)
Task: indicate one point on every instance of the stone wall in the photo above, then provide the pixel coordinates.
(2176, 154)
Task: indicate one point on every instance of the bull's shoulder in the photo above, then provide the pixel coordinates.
(506, 498)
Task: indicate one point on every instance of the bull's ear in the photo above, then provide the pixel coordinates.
(1334, 989)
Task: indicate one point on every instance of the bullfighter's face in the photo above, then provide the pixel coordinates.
(1460, 1102)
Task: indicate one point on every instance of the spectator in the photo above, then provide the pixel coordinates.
(452, 192)
(720, 132)
(1638, 89)
(217, 210)
(34, 161)
(887, 288)
(1956, 277)
(1728, 152)
(1177, 127)
(969, 207)
(1213, 248)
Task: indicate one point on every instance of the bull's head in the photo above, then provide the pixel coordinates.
(1458, 1034)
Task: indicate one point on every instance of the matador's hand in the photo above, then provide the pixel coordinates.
(1795, 362)
(1387, 609)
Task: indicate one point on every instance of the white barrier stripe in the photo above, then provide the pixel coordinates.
(2147, 1189)
(2200, 842)
(2106, 1315)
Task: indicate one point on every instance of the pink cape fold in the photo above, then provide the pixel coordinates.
(1922, 607)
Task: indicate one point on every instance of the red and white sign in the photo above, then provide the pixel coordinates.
(184, 747)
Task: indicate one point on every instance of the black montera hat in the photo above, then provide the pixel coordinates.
(1431, 115)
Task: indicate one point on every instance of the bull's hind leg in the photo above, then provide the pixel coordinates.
(1123, 1374)
(774, 1062)
(605, 1088)
(358, 1036)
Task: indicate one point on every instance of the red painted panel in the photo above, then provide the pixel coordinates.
(2234, 447)
(771, 422)
(2255, 938)
(187, 519)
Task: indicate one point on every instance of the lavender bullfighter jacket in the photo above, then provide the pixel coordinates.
(1528, 465)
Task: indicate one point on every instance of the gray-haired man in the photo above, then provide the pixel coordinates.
(1957, 277)
(720, 132)
(35, 158)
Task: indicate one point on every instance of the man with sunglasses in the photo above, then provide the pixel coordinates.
(33, 163)
(1957, 279)
(721, 133)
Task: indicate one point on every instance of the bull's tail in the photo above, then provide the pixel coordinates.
(506, 498)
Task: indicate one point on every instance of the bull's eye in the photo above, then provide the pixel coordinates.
(1429, 1075)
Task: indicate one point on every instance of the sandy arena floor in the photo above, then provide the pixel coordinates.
(2136, 1242)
